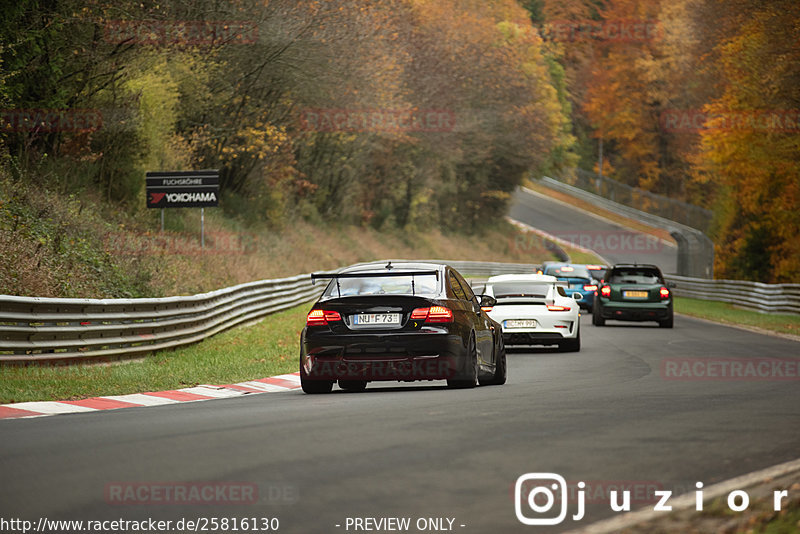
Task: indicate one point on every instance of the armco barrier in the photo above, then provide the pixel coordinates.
(54, 330)
(61, 330)
(635, 197)
(768, 298)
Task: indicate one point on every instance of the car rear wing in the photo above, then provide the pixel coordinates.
(338, 276)
(519, 299)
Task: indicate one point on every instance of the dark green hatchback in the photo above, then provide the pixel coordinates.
(632, 292)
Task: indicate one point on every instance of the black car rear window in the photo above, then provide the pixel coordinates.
(389, 285)
(634, 276)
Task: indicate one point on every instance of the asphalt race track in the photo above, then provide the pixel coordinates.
(615, 243)
(608, 415)
(603, 414)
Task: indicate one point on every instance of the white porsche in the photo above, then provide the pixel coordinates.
(534, 309)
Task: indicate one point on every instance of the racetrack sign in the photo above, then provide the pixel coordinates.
(182, 189)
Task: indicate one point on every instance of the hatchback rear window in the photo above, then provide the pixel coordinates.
(634, 276)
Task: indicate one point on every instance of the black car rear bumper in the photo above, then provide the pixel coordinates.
(430, 354)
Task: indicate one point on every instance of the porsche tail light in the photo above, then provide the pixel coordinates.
(322, 317)
(590, 287)
(550, 307)
(605, 291)
(434, 314)
(663, 293)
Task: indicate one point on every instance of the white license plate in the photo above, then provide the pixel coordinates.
(520, 323)
(376, 318)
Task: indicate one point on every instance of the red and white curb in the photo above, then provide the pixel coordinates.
(272, 384)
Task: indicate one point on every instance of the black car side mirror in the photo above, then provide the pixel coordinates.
(487, 301)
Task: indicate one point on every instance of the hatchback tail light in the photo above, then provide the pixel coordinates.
(605, 291)
(322, 317)
(557, 308)
(434, 314)
(663, 293)
(590, 287)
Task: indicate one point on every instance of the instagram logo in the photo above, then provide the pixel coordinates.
(537, 492)
(540, 492)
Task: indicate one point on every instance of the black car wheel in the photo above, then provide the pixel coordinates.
(500, 368)
(353, 385)
(499, 376)
(471, 379)
(666, 323)
(313, 386)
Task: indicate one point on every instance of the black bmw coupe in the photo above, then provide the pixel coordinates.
(402, 322)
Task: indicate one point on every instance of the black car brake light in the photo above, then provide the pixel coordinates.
(322, 317)
(434, 314)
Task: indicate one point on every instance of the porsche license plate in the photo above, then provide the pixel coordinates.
(635, 294)
(376, 318)
(520, 323)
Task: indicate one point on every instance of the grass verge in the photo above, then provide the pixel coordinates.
(722, 312)
(52, 245)
(267, 348)
(578, 256)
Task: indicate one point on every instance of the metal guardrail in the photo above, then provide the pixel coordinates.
(53, 329)
(767, 298)
(637, 198)
(61, 330)
(695, 249)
